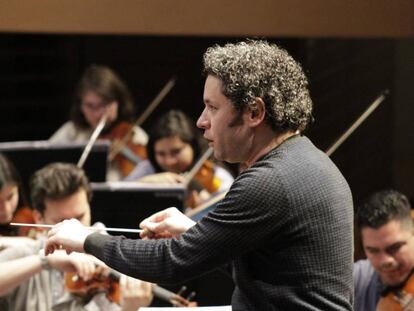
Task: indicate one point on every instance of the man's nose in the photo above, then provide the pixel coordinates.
(202, 121)
(387, 261)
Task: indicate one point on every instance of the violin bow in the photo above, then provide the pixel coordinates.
(190, 175)
(92, 140)
(211, 201)
(176, 300)
(116, 148)
(357, 123)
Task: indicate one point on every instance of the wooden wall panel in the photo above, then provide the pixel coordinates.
(316, 18)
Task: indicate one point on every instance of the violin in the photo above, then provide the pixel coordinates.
(24, 215)
(400, 298)
(206, 178)
(109, 284)
(202, 176)
(122, 134)
(130, 153)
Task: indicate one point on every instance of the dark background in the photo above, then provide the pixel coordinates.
(39, 71)
(38, 74)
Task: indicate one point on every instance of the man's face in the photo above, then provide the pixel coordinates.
(390, 249)
(73, 206)
(224, 127)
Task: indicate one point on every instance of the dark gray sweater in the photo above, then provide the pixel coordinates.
(286, 224)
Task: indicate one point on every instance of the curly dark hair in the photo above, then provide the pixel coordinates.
(382, 207)
(107, 84)
(255, 68)
(174, 123)
(57, 181)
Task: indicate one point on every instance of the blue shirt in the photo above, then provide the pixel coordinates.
(367, 286)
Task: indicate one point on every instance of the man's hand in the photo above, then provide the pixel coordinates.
(69, 235)
(86, 266)
(167, 223)
(135, 293)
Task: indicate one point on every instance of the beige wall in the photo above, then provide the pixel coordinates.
(307, 18)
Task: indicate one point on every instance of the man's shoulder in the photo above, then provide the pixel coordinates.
(367, 286)
(364, 266)
(69, 132)
(364, 275)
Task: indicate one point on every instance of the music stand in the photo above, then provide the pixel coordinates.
(126, 204)
(29, 156)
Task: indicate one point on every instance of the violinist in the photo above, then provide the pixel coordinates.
(100, 91)
(12, 202)
(387, 236)
(173, 148)
(31, 281)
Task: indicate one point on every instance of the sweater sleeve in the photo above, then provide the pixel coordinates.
(236, 226)
(95, 243)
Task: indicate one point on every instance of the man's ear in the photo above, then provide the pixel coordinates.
(257, 112)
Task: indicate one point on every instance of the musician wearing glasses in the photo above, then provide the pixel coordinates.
(101, 92)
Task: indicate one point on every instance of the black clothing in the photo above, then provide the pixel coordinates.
(287, 225)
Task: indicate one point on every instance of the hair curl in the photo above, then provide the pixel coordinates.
(382, 207)
(254, 69)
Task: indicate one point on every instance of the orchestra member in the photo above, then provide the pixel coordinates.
(173, 149)
(13, 207)
(100, 91)
(387, 236)
(31, 281)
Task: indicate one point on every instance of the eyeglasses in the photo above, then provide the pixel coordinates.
(94, 107)
(175, 152)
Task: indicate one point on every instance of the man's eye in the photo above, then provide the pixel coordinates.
(394, 249)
